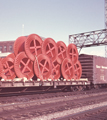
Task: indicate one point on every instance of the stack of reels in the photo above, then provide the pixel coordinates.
(44, 59)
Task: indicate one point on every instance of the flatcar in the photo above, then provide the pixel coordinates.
(44, 64)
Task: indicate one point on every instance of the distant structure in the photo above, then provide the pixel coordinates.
(88, 39)
(6, 46)
(22, 29)
(106, 26)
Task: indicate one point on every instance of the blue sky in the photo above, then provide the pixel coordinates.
(51, 18)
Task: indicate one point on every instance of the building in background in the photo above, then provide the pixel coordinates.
(6, 46)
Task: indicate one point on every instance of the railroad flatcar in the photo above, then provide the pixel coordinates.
(34, 54)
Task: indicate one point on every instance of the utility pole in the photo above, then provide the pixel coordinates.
(106, 26)
(22, 29)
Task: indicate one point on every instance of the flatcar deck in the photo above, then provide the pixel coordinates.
(31, 83)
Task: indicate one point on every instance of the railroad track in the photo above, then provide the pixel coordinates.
(40, 108)
(99, 113)
(29, 96)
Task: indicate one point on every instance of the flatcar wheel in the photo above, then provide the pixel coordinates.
(88, 87)
(62, 51)
(80, 88)
(100, 86)
(49, 48)
(33, 46)
(23, 66)
(8, 68)
(96, 86)
(77, 70)
(84, 87)
(42, 67)
(74, 88)
(67, 69)
(72, 53)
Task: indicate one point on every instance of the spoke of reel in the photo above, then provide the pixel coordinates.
(26, 66)
(44, 67)
(50, 50)
(68, 69)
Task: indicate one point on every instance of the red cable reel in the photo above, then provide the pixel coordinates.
(50, 49)
(62, 51)
(19, 45)
(8, 68)
(42, 67)
(12, 55)
(56, 72)
(67, 69)
(77, 71)
(23, 66)
(72, 53)
(33, 46)
(1, 59)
